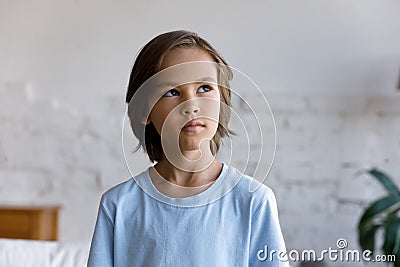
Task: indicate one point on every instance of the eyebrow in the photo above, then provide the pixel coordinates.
(205, 79)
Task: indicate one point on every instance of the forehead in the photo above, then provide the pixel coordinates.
(186, 65)
(184, 55)
(180, 66)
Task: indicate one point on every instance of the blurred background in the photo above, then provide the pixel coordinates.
(329, 69)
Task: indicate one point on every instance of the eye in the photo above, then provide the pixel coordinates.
(204, 88)
(172, 92)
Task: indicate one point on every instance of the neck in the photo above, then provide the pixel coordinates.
(185, 177)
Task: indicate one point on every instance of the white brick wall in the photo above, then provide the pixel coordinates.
(52, 152)
(322, 143)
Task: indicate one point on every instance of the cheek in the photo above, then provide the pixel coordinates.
(157, 117)
(217, 105)
(160, 115)
(210, 108)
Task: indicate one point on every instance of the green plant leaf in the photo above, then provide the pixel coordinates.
(368, 226)
(397, 262)
(385, 180)
(366, 237)
(387, 204)
(392, 235)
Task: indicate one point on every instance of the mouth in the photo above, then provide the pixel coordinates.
(193, 125)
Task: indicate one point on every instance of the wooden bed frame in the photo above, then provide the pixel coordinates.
(35, 223)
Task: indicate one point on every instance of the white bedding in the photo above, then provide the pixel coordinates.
(26, 253)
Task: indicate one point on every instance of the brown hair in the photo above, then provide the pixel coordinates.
(148, 63)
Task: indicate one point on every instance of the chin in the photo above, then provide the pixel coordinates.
(189, 144)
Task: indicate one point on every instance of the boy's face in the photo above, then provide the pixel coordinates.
(187, 114)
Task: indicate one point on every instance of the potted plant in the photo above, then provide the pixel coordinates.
(383, 213)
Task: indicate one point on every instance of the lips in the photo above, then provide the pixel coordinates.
(193, 125)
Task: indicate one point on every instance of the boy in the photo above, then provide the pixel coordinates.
(188, 209)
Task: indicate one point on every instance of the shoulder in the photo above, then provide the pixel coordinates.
(121, 192)
(251, 187)
(253, 192)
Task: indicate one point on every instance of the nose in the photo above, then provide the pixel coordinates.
(190, 108)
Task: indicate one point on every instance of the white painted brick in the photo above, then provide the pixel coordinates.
(326, 104)
(13, 99)
(31, 151)
(358, 188)
(384, 105)
(289, 171)
(292, 140)
(297, 203)
(315, 122)
(72, 153)
(287, 105)
(24, 186)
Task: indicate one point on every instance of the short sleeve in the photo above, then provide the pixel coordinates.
(102, 246)
(267, 246)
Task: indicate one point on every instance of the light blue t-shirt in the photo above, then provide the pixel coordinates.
(225, 225)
